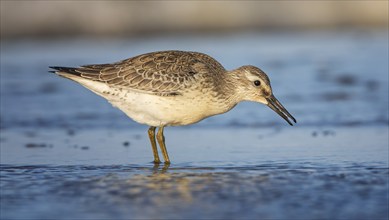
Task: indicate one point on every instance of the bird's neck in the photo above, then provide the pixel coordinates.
(233, 85)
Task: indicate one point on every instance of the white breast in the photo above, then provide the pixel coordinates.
(160, 110)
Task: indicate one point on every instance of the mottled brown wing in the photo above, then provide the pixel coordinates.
(210, 62)
(161, 73)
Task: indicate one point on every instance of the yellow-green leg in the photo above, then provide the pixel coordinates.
(151, 132)
(161, 142)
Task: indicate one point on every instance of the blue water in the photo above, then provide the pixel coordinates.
(66, 153)
(276, 191)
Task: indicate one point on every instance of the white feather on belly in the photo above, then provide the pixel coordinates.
(155, 110)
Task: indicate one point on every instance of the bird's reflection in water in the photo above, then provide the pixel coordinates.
(157, 168)
(163, 186)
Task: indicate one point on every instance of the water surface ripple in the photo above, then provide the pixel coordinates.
(356, 191)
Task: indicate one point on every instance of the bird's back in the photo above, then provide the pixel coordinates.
(160, 73)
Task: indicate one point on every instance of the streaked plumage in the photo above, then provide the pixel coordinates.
(172, 88)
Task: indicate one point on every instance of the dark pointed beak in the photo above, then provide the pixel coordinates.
(276, 106)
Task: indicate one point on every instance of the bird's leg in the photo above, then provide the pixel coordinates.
(161, 141)
(151, 132)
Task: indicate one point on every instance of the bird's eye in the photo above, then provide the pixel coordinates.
(257, 83)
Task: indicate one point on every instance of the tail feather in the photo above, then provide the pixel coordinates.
(68, 70)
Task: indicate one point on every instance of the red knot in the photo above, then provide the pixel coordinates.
(174, 88)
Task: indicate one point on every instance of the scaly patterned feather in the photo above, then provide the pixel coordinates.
(161, 73)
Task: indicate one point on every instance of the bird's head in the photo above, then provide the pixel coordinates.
(254, 85)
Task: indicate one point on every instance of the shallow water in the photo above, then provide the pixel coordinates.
(66, 153)
(307, 173)
(271, 190)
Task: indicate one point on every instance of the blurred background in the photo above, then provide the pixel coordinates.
(133, 18)
(67, 153)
